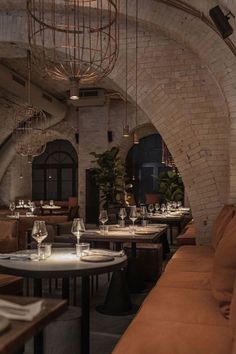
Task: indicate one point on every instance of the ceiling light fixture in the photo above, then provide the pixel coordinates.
(74, 40)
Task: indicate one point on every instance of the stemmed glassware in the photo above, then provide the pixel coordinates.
(77, 228)
(133, 216)
(150, 208)
(157, 207)
(143, 213)
(12, 207)
(122, 215)
(39, 233)
(51, 203)
(103, 218)
(163, 208)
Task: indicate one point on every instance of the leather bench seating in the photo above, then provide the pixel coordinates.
(188, 235)
(187, 312)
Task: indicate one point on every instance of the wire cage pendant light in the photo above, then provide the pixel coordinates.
(74, 40)
(29, 133)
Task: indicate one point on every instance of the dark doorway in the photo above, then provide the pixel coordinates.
(143, 162)
(55, 172)
(92, 198)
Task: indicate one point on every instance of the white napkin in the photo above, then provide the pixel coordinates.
(106, 253)
(18, 256)
(13, 311)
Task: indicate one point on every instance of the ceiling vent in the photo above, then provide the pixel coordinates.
(90, 97)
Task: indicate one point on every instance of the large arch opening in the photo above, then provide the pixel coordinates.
(55, 172)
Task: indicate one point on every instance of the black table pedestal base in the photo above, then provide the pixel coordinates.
(117, 302)
(135, 277)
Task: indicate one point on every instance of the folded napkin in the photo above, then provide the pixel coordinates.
(18, 256)
(99, 252)
(14, 311)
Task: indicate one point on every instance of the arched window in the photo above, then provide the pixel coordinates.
(55, 172)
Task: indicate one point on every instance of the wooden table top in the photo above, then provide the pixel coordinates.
(143, 234)
(166, 217)
(20, 331)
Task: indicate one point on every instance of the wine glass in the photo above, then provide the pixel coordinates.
(77, 228)
(39, 233)
(103, 218)
(157, 207)
(12, 207)
(163, 208)
(143, 213)
(150, 208)
(122, 215)
(133, 215)
(41, 203)
(51, 203)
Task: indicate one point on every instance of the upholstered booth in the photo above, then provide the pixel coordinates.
(191, 310)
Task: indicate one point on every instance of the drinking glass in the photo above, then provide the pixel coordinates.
(133, 215)
(163, 208)
(103, 217)
(157, 207)
(12, 207)
(51, 203)
(179, 204)
(41, 203)
(122, 215)
(39, 233)
(143, 213)
(77, 228)
(150, 208)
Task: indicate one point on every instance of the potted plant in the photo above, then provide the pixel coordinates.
(109, 175)
(171, 187)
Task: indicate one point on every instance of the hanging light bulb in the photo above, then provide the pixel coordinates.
(126, 131)
(74, 89)
(135, 138)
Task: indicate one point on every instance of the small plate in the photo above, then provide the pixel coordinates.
(4, 324)
(97, 258)
(144, 232)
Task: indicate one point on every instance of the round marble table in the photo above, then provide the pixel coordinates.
(64, 264)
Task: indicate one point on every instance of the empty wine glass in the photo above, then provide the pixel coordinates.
(51, 203)
(122, 215)
(143, 213)
(133, 215)
(163, 208)
(12, 207)
(103, 218)
(41, 203)
(179, 204)
(77, 228)
(157, 207)
(39, 233)
(150, 208)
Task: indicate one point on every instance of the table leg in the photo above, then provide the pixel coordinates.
(85, 320)
(38, 289)
(38, 343)
(66, 288)
(171, 234)
(134, 272)
(117, 301)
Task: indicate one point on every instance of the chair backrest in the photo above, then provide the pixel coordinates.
(151, 198)
(72, 202)
(73, 213)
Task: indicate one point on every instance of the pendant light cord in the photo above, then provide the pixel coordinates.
(126, 64)
(136, 65)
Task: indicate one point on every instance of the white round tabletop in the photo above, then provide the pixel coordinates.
(62, 263)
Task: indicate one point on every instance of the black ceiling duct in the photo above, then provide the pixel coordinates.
(221, 21)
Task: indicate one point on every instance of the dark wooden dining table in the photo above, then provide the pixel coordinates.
(19, 332)
(119, 236)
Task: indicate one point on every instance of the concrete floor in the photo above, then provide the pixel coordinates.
(105, 330)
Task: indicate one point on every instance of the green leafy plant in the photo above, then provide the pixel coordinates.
(109, 175)
(171, 187)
